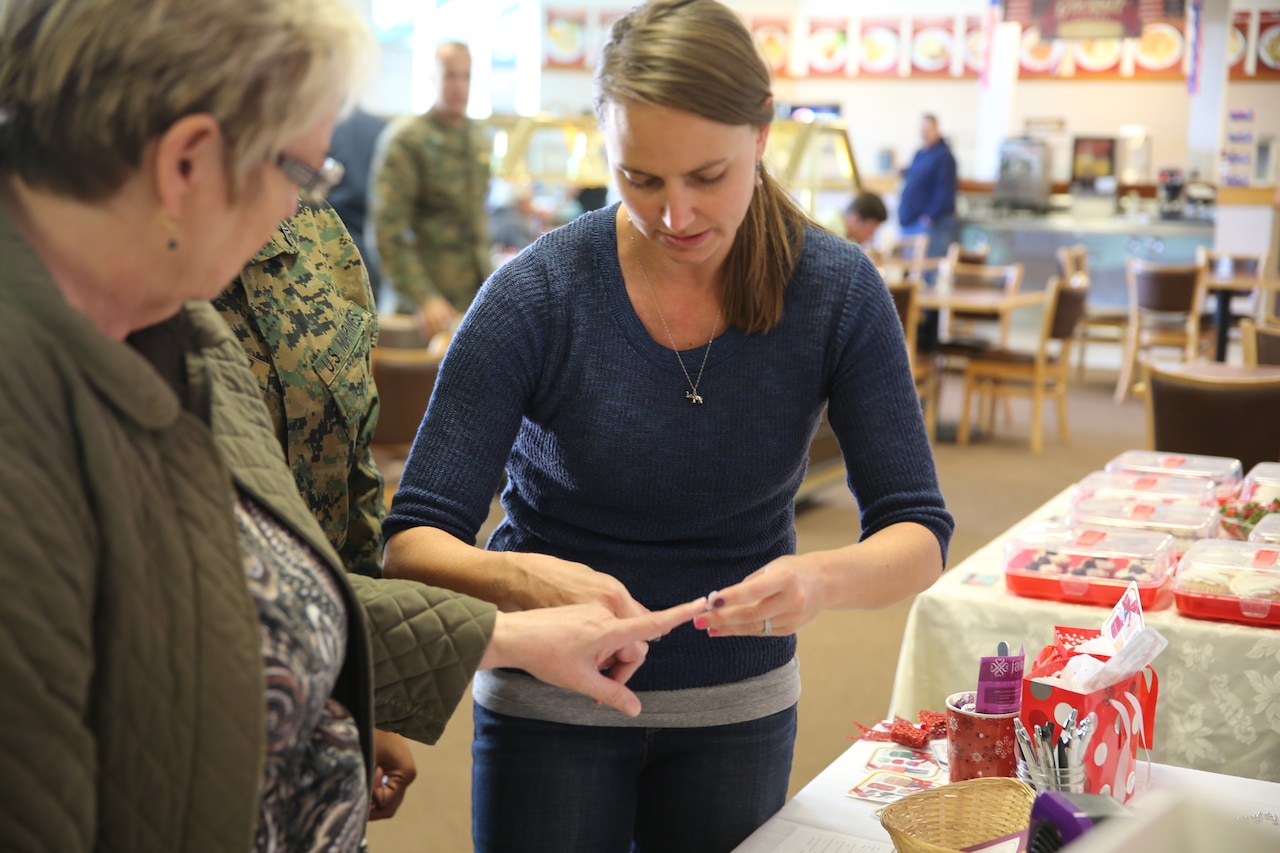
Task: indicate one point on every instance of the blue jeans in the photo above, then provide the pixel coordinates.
(539, 786)
(941, 233)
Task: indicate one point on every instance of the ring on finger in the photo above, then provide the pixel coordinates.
(768, 628)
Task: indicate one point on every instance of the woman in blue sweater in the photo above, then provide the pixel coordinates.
(650, 376)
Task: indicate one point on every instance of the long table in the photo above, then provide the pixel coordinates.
(1218, 707)
(821, 817)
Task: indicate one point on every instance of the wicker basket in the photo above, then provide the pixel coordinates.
(949, 817)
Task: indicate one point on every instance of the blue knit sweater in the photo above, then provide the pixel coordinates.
(552, 374)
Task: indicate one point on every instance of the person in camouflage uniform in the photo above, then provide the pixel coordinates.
(427, 211)
(303, 310)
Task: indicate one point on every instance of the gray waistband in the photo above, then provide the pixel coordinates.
(519, 695)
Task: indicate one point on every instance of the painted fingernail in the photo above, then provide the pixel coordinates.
(713, 633)
(700, 623)
(719, 602)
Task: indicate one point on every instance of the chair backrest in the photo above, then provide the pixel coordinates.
(1235, 418)
(909, 248)
(1237, 264)
(1067, 299)
(1261, 343)
(1073, 259)
(1003, 277)
(960, 254)
(906, 300)
(1165, 287)
(405, 379)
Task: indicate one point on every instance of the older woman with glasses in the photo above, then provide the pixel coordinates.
(185, 664)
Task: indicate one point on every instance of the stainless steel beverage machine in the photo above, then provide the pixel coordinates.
(1025, 180)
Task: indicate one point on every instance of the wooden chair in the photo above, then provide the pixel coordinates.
(1006, 278)
(959, 254)
(1166, 309)
(907, 253)
(1261, 343)
(1037, 375)
(1246, 304)
(1232, 417)
(924, 365)
(405, 379)
(1101, 323)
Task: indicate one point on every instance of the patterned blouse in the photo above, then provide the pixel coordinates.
(313, 786)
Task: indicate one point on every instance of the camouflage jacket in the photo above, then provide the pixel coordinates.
(303, 311)
(427, 210)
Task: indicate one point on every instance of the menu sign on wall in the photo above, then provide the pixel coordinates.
(878, 48)
(1038, 57)
(1159, 53)
(1268, 46)
(975, 47)
(828, 47)
(1237, 44)
(1092, 19)
(1097, 59)
(932, 46)
(773, 37)
(565, 38)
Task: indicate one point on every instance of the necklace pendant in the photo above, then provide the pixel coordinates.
(696, 399)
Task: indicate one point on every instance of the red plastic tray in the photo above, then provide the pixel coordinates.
(1075, 589)
(1227, 608)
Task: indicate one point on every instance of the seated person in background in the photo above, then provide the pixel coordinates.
(864, 215)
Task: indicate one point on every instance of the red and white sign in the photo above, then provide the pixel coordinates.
(828, 47)
(879, 49)
(933, 44)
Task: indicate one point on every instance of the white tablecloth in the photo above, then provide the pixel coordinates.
(823, 818)
(1219, 703)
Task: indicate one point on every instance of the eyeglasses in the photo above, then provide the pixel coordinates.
(313, 184)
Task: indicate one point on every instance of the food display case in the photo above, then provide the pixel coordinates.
(548, 150)
(1225, 473)
(812, 159)
(1089, 564)
(1228, 580)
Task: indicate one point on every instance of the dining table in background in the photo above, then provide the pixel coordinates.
(1218, 707)
(1226, 286)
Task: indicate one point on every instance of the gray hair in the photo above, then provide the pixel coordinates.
(85, 85)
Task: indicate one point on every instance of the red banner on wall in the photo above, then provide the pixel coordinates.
(974, 47)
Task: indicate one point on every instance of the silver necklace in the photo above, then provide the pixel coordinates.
(692, 394)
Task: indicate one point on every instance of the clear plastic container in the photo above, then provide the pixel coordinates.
(1184, 522)
(1262, 483)
(1267, 531)
(1226, 473)
(1228, 580)
(1089, 564)
(1146, 488)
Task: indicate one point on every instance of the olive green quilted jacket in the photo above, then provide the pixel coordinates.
(131, 682)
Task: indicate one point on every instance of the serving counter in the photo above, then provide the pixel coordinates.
(1034, 241)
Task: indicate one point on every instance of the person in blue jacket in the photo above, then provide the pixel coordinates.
(928, 202)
